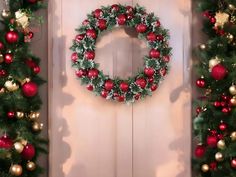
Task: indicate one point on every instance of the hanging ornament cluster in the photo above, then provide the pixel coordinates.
(156, 62)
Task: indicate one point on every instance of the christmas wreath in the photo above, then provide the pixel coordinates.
(155, 64)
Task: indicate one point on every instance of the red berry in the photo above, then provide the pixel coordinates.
(115, 7)
(141, 28)
(160, 38)
(154, 53)
(154, 87)
(150, 79)
(74, 57)
(151, 36)
(137, 96)
(93, 73)
(109, 85)
(130, 16)
(200, 151)
(211, 141)
(90, 87)
(3, 73)
(213, 20)
(149, 72)
(121, 19)
(166, 58)
(198, 110)
(162, 72)
(121, 98)
(223, 104)
(80, 73)
(201, 83)
(89, 55)
(91, 33)
(223, 126)
(11, 114)
(129, 9)
(97, 13)
(85, 22)
(102, 24)
(8, 58)
(79, 37)
(141, 82)
(104, 93)
(226, 110)
(37, 69)
(124, 86)
(30, 34)
(12, 37)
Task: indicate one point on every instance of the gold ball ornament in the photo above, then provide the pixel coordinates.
(31, 166)
(219, 157)
(232, 90)
(202, 46)
(230, 37)
(1, 58)
(19, 147)
(232, 7)
(221, 144)
(36, 127)
(20, 115)
(233, 136)
(34, 115)
(11, 86)
(5, 14)
(213, 62)
(16, 170)
(233, 101)
(205, 168)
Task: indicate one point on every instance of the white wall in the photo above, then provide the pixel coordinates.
(92, 137)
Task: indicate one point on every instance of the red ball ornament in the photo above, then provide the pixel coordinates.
(201, 83)
(89, 55)
(85, 22)
(104, 93)
(217, 104)
(151, 36)
(115, 7)
(74, 57)
(212, 141)
(154, 53)
(5, 142)
(3, 73)
(137, 96)
(98, 13)
(37, 69)
(32, 1)
(30, 89)
(102, 24)
(121, 98)
(166, 58)
(150, 79)
(158, 23)
(213, 165)
(129, 9)
(141, 82)
(200, 151)
(233, 163)
(154, 87)
(162, 72)
(149, 72)
(218, 72)
(124, 86)
(8, 58)
(92, 73)
(141, 28)
(220, 136)
(223, 126)
(198, 110)
(79, 37)
(80, 73)
(160, 37)
(1, 46)
(226, 110)
(90, 87)
(109, 85)
(213, 20)
(28, 152)
(121, 19)
(223, 103)
(30, 34)
(12, 37)
(91, 33)
(30, 63)
(11, 114)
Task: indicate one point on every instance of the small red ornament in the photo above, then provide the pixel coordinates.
(28, 152)
(3, 73)
(162, 72)
(102, 24)
(30, 63)
(91, 33)
(198, 110)
(218, 72)
(225, 97)
(213, 20)
(109, 85)
(150, 79)
(213, 132)
(226, 110)
(79, 37)
(121, 98)
(115, 7)
(141, 28)
(32, 1)
(223, 126)
(200, 151)
(90, 87)
(74, 57)
(30, 89)
(141, 82)
(212, 141)
(1, 46)
(201, 83)
(233, 163)
(149, 72)
(223, 103)
(5, 142)
(80, 73)
(217, 104)
(154, 53)
(11, 114)
(104, 93)
(12, 37)
(129, 9)
(130, 16)
(158, 23)
(166, 58)
(213, 165)
(30, 34)
(154, 87)
(37, 69)
(124, 86)
(121, 19)
(89, 55)
(85, 22)
(98, 13)
(8, 58)
(93, 73)
(151, 36)
(137, 96)
(160, 37)
(220, 136)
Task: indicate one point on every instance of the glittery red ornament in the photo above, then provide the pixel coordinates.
(104, 93)
(141, 28)
(124, 86)
(109, 85)
(200, 151)
(30, 89)
(212, 141)
(12, 37)
(141, 82)
(80, 73)
(121, 19)
(102, 24)
(74, 57)
(218, 72)
(223, 126)
(28, 152)
(151, 36)
(90, 87)
(201, 83)
(91, 33)
(5, 142)
(93, 73)
(89, 55)
(98, 13)
(154, 53)
(149, 72)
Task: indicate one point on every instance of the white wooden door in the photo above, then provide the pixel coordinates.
(92, 137)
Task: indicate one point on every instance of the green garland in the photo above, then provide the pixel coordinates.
(215, 121)
(20, 142)
(155, 64)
